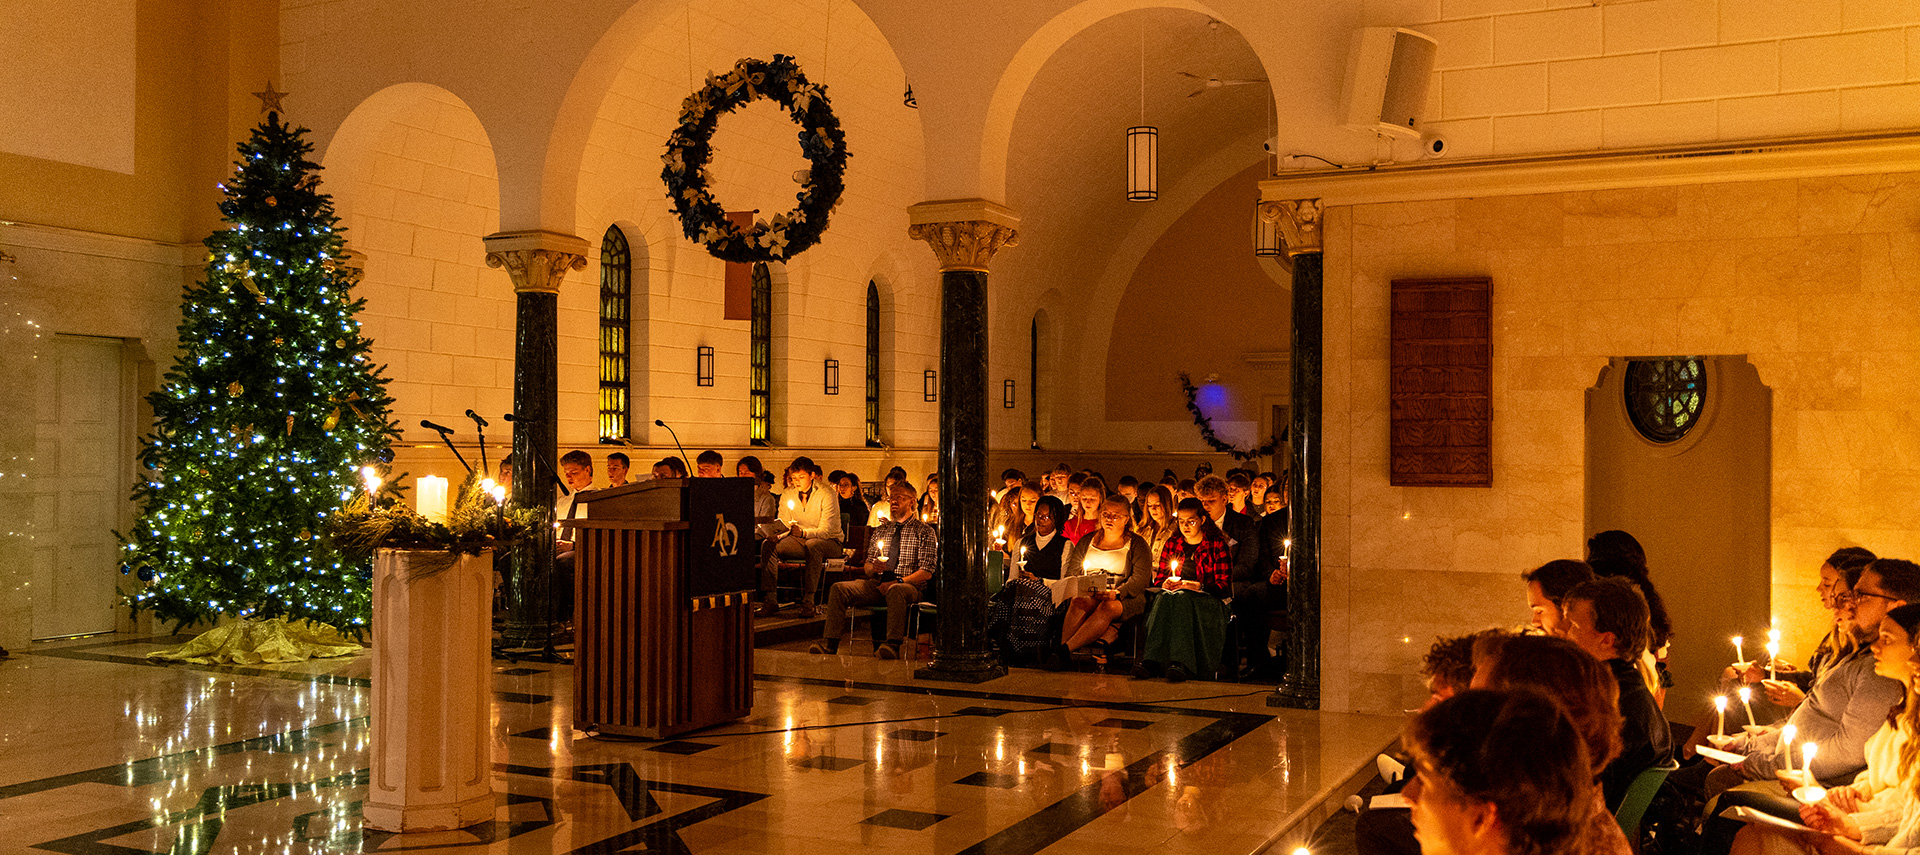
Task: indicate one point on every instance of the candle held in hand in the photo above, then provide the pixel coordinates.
(1773, 651)
(1787, 734)
(1720, 711)
(1739, 654)
(1746, 702)
(1807, 750)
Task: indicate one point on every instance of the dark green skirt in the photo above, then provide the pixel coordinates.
(1190, 628)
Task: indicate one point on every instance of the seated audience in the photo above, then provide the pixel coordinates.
(1500, 773)
(1840, 714)
(1447, 670)
(1239, 487)
(1156, 524)
(900, 564)
(1128, 488)
(1547, 587)
(1187, 623)
(618, 463)
(1251, 590)
(1884, 786)
(930, 501)
(669, 467)
(1094, 619)
(1608, 619)
(1617, 553)
(1789, 685)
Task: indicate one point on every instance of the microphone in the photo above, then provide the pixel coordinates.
(476, 418)
(676, 444)
(431, 426)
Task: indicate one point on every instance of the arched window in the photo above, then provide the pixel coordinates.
(1664, 396)
(760, 357)
(1033, 383)
(873, 365)
(616, 332)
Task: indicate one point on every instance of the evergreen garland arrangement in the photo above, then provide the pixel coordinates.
(267, 415)
(1205, 425)
(690, 149)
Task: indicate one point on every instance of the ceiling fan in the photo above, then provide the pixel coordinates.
(1210, 82)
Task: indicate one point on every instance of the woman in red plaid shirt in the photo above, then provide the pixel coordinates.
(1187, 627)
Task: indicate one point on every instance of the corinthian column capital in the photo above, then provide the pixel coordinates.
(536, 260)
(1299, 221)
(965, 233)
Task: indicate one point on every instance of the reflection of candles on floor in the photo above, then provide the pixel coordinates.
(1720, 711)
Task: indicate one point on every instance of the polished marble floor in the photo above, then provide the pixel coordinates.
(102, 752)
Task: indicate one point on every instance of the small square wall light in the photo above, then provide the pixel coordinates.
(833, 377)
(930, 386)
(703, 366)
(1006, 394)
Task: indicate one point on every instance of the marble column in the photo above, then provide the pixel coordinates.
(964, 235)
(536, 261)
(1300, 228)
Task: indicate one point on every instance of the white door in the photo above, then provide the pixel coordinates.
(76, 566)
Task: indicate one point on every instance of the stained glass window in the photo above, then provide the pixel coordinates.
(616, 329)
(760, 355)
(873, 365)
(1664, 396)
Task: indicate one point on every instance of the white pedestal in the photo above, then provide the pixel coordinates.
(431, 749)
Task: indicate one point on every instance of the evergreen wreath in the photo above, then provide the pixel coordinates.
(690, 149)
(1206, 428)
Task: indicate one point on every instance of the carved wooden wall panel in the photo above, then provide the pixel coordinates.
(1440, 383)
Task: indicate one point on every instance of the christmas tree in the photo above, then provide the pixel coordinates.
(267, 416)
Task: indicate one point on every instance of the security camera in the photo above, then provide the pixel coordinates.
(1436, 146)
(1271, 145)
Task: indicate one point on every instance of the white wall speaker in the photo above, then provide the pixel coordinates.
(1388, 73)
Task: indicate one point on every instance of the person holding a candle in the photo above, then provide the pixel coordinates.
(1885, 788)
(1156, 524)
(812, 519)
(1789, 686)
(1088, 496)
(1019, 613)
(1187, 623)
(900, 564)
(1844, 709)
(1094, 619)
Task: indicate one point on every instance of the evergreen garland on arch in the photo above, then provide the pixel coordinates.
(1205, 425)
(690, 149)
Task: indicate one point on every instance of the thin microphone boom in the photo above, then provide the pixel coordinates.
(676, 444)
(444, 431)
(431, 426)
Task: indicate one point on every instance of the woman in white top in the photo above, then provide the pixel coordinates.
(1111, 549)
(1879, 813)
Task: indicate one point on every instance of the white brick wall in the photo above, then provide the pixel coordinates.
(416, 198)
(1521, 76)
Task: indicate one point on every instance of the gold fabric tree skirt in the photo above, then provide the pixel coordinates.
(258, 642)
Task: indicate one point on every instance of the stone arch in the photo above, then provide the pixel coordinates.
(415, 183)
(996, 137)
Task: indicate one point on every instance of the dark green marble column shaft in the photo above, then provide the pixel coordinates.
(960, 651)
(1300, 687)
(530, 595)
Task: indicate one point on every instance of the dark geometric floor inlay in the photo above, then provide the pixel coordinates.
(850, 700)
(912, 735)
(1057, 748)
(536, 733)
(519, 672)
(522, 698)
(991, 779)
(911, 820)
(985, 712)
(830, 764)
(679, 747)
(1127, 723)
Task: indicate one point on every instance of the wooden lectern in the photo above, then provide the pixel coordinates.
(663, 606)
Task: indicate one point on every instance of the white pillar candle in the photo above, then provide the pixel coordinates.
(1773, 650)
(430, 496)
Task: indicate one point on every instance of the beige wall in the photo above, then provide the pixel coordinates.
(1813, 279)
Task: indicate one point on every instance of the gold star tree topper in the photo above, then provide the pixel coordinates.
(270, 100)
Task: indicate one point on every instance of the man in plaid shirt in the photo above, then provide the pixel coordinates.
(900, 562)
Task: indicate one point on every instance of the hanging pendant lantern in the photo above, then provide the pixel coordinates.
(1143, 163)
(1266, 230)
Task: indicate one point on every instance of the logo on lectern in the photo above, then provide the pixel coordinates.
(726, 537)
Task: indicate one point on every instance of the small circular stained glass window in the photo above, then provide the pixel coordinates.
(1664, 396)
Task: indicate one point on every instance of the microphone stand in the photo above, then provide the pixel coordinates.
(480, 427)
(676, 444)
(552, 471)
(444, 437)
